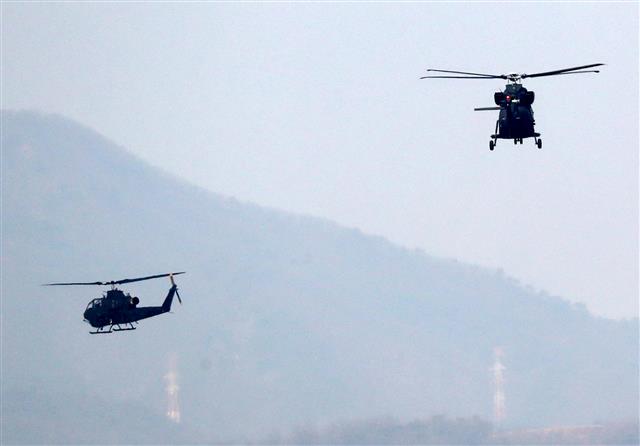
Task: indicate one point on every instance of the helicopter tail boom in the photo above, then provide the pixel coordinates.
(166, 305)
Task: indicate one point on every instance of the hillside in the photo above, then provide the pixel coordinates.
(287, 320)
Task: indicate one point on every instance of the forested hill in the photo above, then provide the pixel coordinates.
(287, 320)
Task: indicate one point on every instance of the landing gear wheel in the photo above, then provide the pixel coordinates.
(491, 145)
(539, 143)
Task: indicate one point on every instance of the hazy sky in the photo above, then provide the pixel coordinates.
(316, 108)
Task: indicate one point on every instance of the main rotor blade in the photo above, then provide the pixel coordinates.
(115, 282)
(138, 279)
(75, 283)
(570, 72)
(563, 71)
(486, 108)
(465, 72)
(461, 77)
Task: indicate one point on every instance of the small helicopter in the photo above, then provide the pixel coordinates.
(515, 120)
(115, 308)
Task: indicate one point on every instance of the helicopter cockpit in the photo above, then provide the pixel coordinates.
(95, 303)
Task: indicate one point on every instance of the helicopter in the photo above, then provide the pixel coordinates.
(515, 120)
(120, 310)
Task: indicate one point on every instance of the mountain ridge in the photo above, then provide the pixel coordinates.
(121, 152)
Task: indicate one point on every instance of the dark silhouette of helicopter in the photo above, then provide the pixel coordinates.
(115, 308)
(515, 120)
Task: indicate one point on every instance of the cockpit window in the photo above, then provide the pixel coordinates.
(95, 303)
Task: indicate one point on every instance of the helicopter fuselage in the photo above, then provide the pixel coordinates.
(116, 308)
(515, 120)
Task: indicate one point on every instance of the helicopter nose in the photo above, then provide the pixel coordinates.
(92, 319)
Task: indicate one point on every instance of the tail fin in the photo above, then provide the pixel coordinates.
(166, 305)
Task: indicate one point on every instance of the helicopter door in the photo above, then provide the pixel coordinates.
(526, 120)
(503, 123)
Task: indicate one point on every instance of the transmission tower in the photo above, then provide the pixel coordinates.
(173, 405)
(499, 409)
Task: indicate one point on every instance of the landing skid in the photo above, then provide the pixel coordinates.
(124, 329)
(101, 330)
(538, 140)
(495, 136)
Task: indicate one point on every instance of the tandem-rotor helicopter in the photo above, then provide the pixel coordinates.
(115, 308)
(515, 120)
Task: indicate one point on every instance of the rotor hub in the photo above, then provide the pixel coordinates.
(515, 78)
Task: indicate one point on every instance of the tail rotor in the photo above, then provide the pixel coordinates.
(173, 284)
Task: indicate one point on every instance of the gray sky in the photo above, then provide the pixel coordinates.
(316, 108)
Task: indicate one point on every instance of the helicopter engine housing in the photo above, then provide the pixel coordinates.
(527, 98)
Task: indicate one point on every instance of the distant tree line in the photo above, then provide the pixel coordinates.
(444, 430)
(618, 433)
(435, 430)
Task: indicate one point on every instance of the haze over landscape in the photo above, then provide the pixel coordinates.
(317, 109)
(288, 321)
(360, 268)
